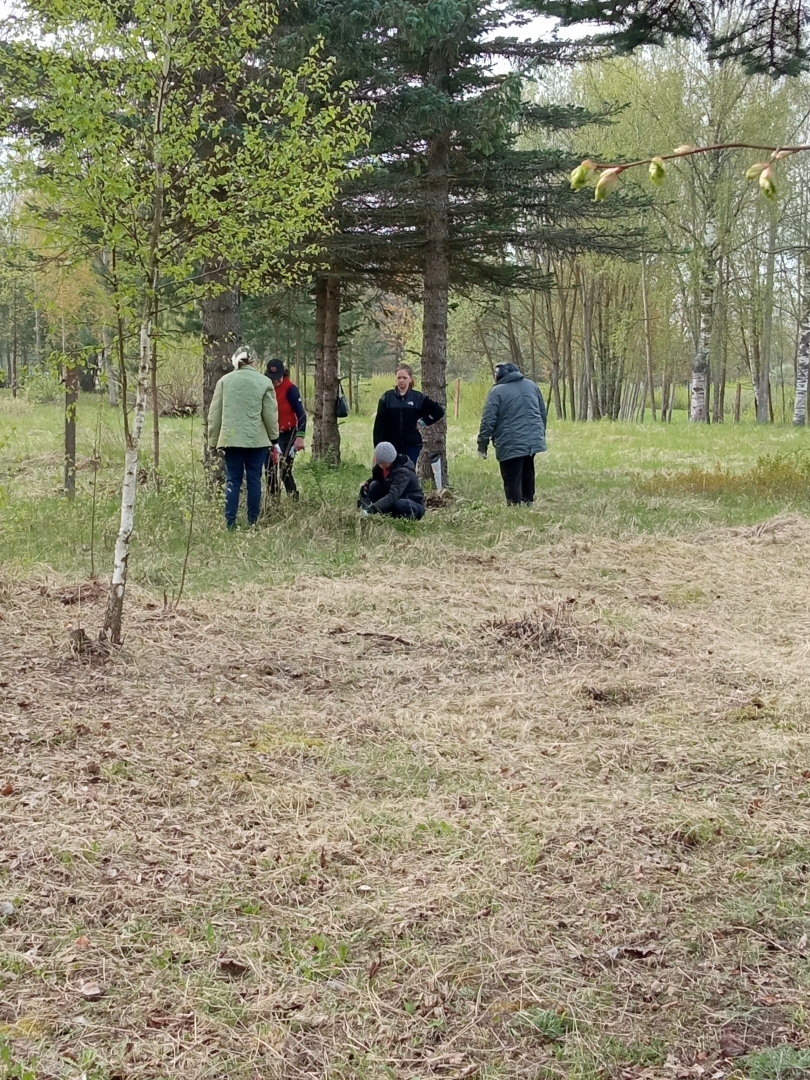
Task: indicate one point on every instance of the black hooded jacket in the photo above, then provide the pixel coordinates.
(400, 483)
(397, 415)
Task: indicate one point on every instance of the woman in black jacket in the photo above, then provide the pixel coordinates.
(403, 413)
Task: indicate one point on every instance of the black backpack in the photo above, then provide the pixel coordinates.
(341, 404)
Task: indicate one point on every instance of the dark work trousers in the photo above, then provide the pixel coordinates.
(518, 479)
(284, 469)
(248, 462)
(402, 508)
(413, 453)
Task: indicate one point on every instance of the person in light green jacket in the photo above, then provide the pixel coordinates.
(243, 421)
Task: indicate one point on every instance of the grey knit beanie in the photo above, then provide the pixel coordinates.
(385, 453)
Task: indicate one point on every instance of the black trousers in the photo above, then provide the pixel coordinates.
(283, 471)
(518, 479)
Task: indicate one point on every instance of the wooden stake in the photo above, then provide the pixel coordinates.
(456, 398)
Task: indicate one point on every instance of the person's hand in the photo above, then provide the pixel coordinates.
(420, 423)
(482, 454)
(298, 445)
(363, 511)
(276, 453)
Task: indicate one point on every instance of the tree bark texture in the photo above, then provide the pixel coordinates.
(803, 354)
(434, 298)
(317, 377)
(698, 408)
(115, 598)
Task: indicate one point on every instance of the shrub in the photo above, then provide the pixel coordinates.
(43, 387)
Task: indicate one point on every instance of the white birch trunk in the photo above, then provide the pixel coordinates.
(803, 355)
(698, 412)
(115, 598)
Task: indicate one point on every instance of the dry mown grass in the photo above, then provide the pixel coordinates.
(541, 815)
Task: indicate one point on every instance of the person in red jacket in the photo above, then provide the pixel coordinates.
(292, 426)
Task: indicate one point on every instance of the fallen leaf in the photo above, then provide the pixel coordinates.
(91, 991)
(801, 944)
(731, 1046)
(6, 908)
(82, 942)
(8, 789)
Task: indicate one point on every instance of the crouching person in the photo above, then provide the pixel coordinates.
(394, 487)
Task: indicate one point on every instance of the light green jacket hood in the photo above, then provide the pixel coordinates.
(243, 411)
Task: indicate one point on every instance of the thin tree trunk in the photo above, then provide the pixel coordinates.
(737, 402)
(221, 334)
(699, 412)
(647, 341)
(14, 339)
(434, 300)
(514, 345)
(764, 406)
(71, 403)
(114, 614)
(554, 351)
(317, 377)
(803, 352)
(108, 366)
(587, 404)
(153, 362)
(482, 337)
(326, 438)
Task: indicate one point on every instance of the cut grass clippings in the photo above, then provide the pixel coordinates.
(537, 812)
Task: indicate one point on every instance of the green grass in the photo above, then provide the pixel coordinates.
(605, 479)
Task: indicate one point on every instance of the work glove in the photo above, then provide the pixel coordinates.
(482, 454)
(363, 512)
(276, 453)
(364, 503)
(420, 423)
(298, 446)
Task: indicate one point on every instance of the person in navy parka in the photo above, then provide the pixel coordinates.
(514, 421)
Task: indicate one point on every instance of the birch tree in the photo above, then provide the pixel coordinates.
(126, 149)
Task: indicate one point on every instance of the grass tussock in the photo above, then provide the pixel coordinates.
(782, 474)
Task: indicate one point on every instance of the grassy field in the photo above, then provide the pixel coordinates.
(502, 794)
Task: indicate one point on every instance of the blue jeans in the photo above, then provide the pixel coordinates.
(247, 461)
(413, 453)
